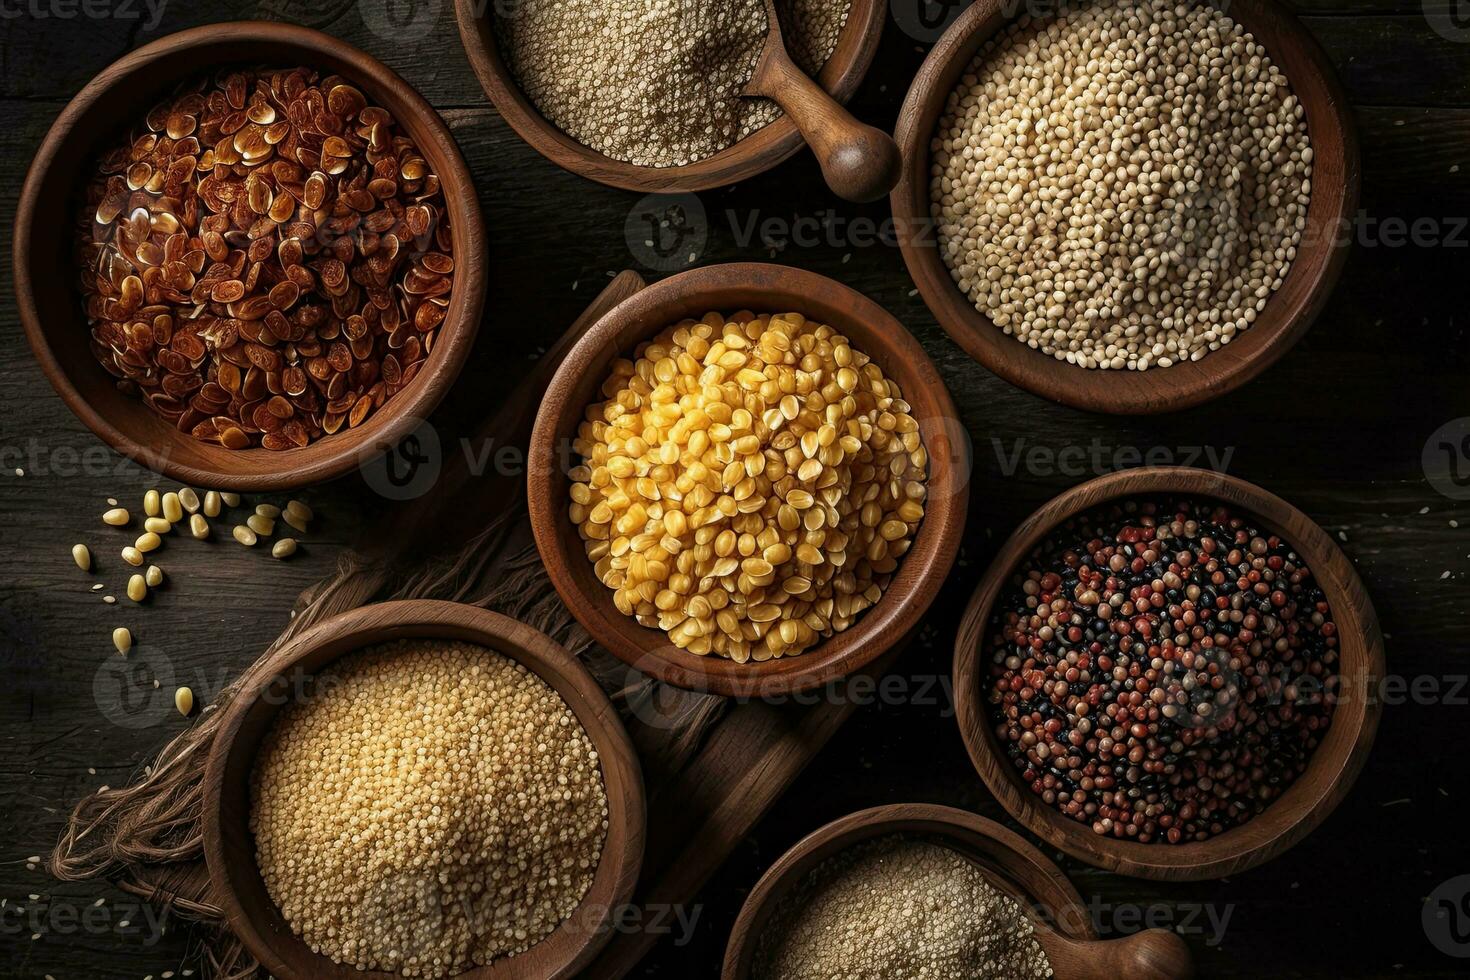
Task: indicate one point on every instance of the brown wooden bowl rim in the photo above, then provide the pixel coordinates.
(944, 825)
(1319, 262)
(1333, 767)
(920, 573)
(367, 626)
(857, 44)
(262, 469)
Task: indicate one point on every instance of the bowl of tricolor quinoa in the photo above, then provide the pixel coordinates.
(1127, 206)
(1169, 673)
(422, 789)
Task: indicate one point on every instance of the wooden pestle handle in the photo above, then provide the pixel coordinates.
(1153, 954)
(860, 163)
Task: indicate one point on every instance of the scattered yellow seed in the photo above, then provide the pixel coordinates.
(230, 499)
(189, 498)
(211, 503)
(173, 508)
(158, 525)
(299, 510)
(152, 503)
(82, 557)
(245, 535)
(109, 599)
(284, 548)
(148, 541)
(154, 576)
(297, 522)
(122, 639)
(116, 517)
(268, 510)
(137, 588)
(132, 555)
(198, 526)
(184, 701)
(260, 524)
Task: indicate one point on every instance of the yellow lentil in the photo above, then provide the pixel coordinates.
(748, 484)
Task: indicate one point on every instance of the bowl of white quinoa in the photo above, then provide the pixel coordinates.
(644, 95)
(1126, 206)
(422, 789)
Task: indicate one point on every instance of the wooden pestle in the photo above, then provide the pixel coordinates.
(859, 162)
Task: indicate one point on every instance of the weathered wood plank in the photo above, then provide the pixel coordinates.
(1339, 428)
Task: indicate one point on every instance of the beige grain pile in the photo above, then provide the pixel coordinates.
(897, 909)
(433, 806)
(1122, 185)
(657, 83)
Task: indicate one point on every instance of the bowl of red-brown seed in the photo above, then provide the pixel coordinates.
(1169, 672)
(249, 255)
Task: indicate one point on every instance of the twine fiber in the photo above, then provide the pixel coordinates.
(146, 837)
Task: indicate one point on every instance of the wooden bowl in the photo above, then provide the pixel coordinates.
(757, 153)
(726, 289)
(1305, 804)
(1287, 314)
(1009, 862)
(229, 847)
(47, 283)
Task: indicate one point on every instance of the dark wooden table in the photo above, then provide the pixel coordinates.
(1340, 428)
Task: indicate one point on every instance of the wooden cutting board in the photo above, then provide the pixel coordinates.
(701, 801)
(699, 811)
